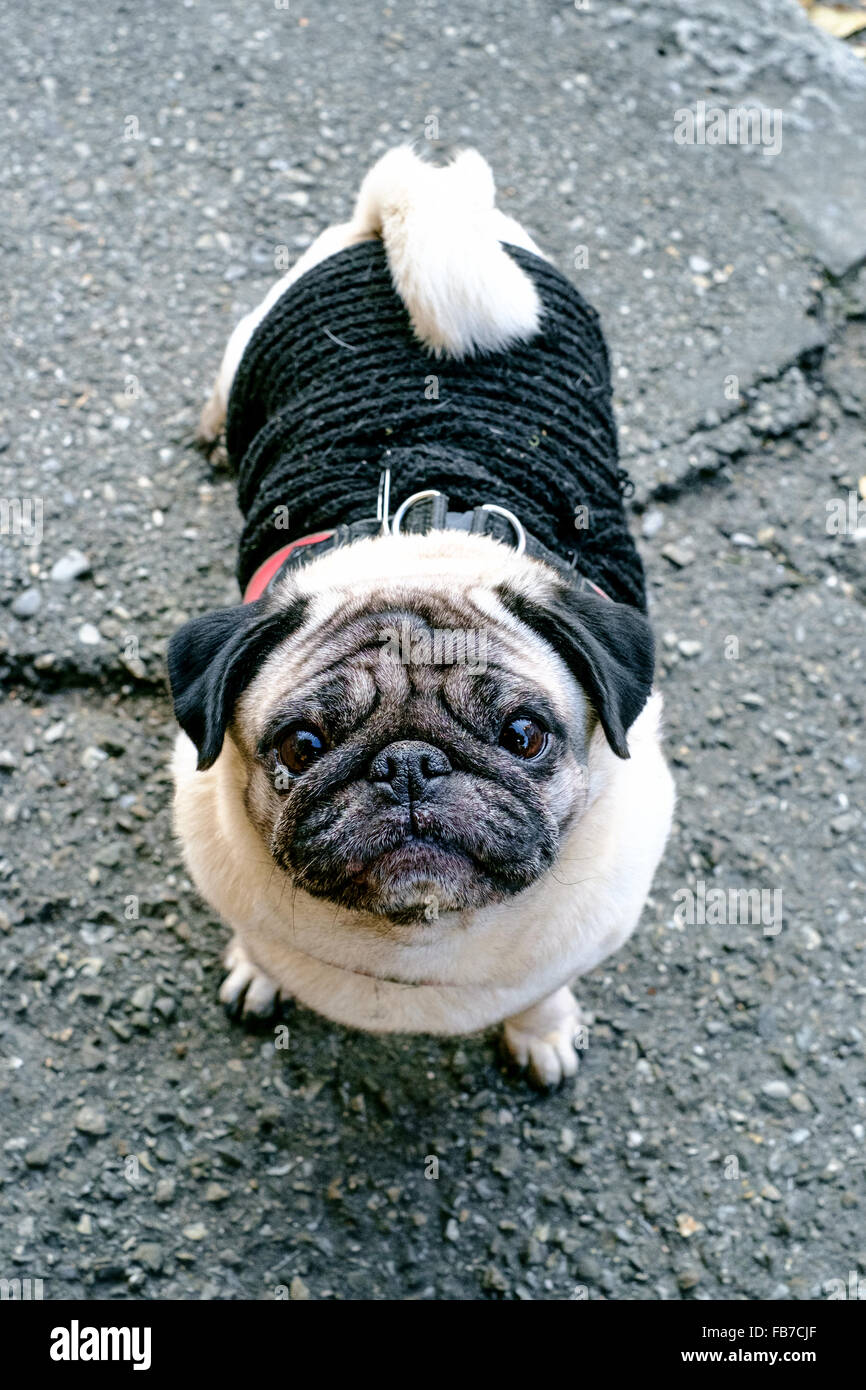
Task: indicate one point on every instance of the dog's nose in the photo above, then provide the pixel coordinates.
(407, 767)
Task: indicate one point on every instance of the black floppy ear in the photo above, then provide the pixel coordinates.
(607, 646)
(212, 659)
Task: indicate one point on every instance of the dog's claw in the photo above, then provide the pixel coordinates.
(246, 991)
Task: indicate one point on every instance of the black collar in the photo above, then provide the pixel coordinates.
(423, 512)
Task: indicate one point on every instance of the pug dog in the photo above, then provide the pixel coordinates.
(419, 773)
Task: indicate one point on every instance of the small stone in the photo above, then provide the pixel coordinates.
(215, 1193)
(790, 1061)
(27, 603)
(494, 1279)
(165, 1190)
(688, 647)
(687, 1225)
(92, 757)
(507, 1161)
(89, 635)
(39, 1156)
(150, 1255)
(533, 1252)
(298, 1290)
(688, 1278)
(91, 1121)
(197, 1231)
(143, 998)
(771, 1193)
(8, 760)
(776, 1090)
(135, 666)
(652, 523)
(452, 1231)
(744, 540)
(70, 566)
(588, 1268)
(108, 856)
(54, 732)
(700, 265)
(678, 555)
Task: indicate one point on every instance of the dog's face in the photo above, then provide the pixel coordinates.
(417, 747)
(393, 776)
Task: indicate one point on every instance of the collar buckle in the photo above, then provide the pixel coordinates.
(431, 494)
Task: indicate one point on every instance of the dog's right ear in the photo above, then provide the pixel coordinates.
(211, 661)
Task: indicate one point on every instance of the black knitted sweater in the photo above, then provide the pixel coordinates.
(333, 387)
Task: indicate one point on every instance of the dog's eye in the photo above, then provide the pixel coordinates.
(300, 747)
(524, 736)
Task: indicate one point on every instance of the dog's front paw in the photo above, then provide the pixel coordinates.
(246, 991)
(545, 1038)
(211, 421)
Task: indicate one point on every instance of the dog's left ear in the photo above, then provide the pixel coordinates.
(607, 646)
(211, 661)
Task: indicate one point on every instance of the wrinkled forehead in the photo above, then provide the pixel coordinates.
(402, 644)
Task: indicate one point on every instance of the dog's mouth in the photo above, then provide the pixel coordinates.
(416, 854)
(403, 874)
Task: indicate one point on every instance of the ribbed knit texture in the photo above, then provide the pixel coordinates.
(333, 386)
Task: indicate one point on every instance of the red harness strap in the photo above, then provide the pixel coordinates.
(268, 568)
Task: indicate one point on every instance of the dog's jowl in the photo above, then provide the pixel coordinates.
(419, 773)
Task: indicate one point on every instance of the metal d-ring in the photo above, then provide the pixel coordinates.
(410, 502)
(384, 502)
(513, 521)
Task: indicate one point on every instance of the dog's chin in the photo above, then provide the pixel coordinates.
(420, 881)
(416, 882)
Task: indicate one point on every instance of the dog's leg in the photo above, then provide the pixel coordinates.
(543, 1037)
(332, 240)
(246, 990)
